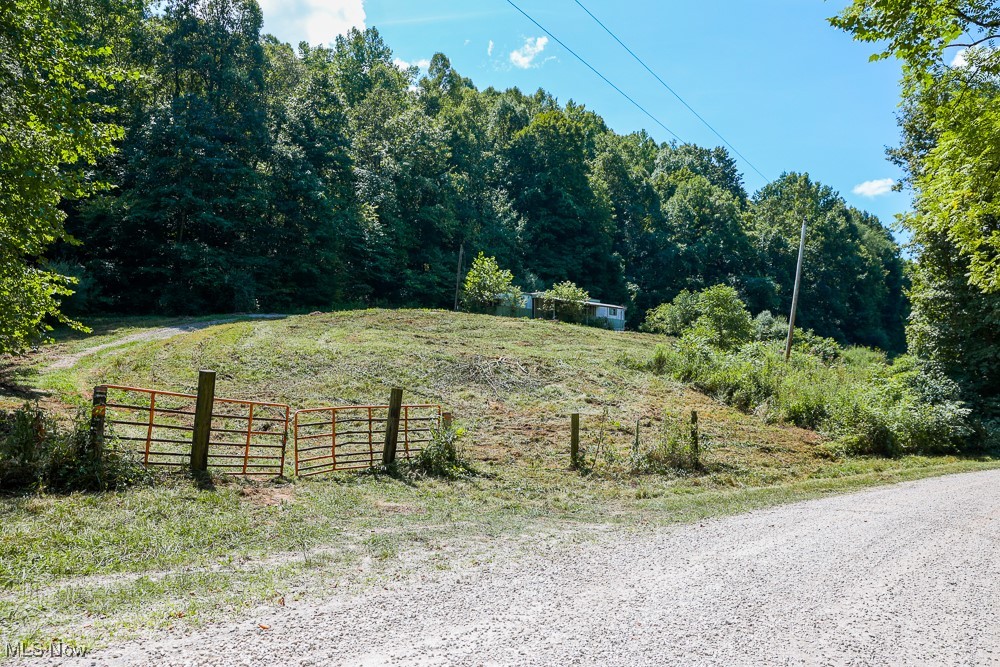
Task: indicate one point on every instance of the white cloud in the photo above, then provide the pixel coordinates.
(423, 63)
(960, 59)
(489, 49)
(876, 188)
(313, 21)
(524, 57)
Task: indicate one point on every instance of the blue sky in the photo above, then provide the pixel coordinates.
(785, 88)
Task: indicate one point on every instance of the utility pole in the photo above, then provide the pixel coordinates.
(795, 292)
(458, 273)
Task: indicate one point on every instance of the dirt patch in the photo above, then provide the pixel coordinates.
(267, 496)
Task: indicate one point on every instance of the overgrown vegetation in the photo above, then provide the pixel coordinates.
(362, 179)
(870, 404)
(487, 286)
(38, 453)
(443, 456)
(950, 156)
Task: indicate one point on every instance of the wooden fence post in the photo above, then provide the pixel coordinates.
(446, 420)
(97, 414)
(392, 426)
(695, 446)
(574, 439)
(202, 421)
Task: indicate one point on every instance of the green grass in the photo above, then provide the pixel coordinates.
(89, 568)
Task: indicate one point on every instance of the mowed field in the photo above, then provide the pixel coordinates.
(89, 568)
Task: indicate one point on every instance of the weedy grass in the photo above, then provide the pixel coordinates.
(88, 568)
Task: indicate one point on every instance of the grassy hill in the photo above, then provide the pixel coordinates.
(513, 382)
(175, 553)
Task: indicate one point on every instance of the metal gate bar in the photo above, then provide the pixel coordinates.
(350, 437)
(256, 440)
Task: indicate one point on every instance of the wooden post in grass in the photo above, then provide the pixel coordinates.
(695, 446)
(446, 421)
(202, 421)
(574, 439)
(392, 426)
(97, 413)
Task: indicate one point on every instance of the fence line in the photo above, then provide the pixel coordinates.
(249, 438)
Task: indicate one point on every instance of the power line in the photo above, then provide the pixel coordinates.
(592, 69)
(672, 91)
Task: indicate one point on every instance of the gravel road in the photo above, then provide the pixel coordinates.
(907, 574)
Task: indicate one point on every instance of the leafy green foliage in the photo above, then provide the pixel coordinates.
(257, 176)
(951, 134)
(566, 301)
(50, 127)
(852, 278)
(37, 453)
(716, 315)
(487, 285)
(870, 405)
(443, 456)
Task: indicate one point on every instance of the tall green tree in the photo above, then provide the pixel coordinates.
(568, 230)
(951, 154)
(51, 123)
(846, 291)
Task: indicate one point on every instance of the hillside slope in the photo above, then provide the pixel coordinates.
(512, 381)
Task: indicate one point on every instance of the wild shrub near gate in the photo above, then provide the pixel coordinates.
(39, 453)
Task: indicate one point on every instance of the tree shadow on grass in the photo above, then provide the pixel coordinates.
(15, 381)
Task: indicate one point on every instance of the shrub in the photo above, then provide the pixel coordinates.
(37, 453)
(673, 318)
(443, 456)
(767, 327)
(716, 314)
(658, 364)
(871, 406)
(566, 301)
(674, 450)
(487, 286)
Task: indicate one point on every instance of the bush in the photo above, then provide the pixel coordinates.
(673, 318)
(716, 314)
(768, 327)
(487, 286)
(37, 453)
(443, 456)
(871, 406)
(566, 301)
(674, 450)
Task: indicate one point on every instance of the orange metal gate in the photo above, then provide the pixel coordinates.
(247, 437)
(353, 437)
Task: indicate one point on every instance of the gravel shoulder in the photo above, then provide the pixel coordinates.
(907, 574)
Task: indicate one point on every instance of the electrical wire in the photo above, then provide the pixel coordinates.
(594, 70)
(672, 91)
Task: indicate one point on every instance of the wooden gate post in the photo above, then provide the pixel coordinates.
(574, 440)
(392, 426)
(202, 421)
(446, 420)
(97, 414)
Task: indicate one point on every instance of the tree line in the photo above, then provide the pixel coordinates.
(244, 174)
(950, 151)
